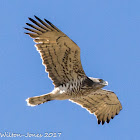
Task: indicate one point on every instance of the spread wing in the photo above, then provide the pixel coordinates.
(60, 55)
(104, 104)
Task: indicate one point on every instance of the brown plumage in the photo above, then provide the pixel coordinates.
(61, 58)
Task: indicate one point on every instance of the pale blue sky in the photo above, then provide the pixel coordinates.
(108, 33)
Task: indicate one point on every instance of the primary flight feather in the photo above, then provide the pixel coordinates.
(61, 58)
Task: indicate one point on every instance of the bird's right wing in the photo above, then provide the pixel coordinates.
(60, 55)
(103, 103)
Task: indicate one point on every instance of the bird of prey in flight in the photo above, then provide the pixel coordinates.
(61, 58)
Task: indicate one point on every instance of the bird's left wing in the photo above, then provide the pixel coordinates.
(60, 55)
(103, 103)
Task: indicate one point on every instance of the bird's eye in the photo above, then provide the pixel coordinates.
(101, 80)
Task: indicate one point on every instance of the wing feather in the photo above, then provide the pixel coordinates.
(35, 31)
(46, 26)
(35, 27)
(103, 103)
(60, 55)
(38, 24)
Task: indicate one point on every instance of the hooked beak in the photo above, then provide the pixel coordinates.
(105, 83)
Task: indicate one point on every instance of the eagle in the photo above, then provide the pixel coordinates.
(61, 58)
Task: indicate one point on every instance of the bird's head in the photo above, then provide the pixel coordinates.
(98, 83)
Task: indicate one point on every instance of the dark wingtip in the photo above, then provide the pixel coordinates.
(47, 21)
(103, 122)
(30, 18)
(99, 121)
(36, 17)
(28, 24)
(108, 120)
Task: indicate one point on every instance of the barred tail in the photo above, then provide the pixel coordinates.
(37, 100)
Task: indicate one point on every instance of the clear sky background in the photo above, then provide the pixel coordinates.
(108, 33)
